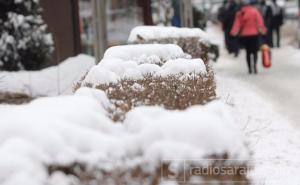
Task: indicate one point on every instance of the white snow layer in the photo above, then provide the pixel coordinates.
(47, 82)
(66, 129)
(182, 66)
(160, 32)
(271, 138)
(136, 61)
(130, 52)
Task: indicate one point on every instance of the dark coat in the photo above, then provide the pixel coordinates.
(229, 16)
(277, 20)
(266, 12)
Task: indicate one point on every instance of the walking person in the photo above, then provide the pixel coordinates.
(226, 17)
(277, 22)
(266, 12)
(229, 16)
(249, 25)
(176, 17)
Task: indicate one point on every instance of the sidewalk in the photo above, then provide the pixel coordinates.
(279, 85)
(266, 108)
(272, 139)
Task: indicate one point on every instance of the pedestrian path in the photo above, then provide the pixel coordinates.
(280, 85)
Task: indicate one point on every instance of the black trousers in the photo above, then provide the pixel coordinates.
(277, 33)
(251, 44)
(268, 38)
(232, 43)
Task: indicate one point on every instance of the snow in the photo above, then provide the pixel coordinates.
(130, 52)
(60, 130)
(147, 69)
(66, 129)
(182, 66)
(265, 107)
(159, 32)
(279, 84)
(47, 130)
(47, 82)
(115, 70)
(271, 138)
(162, 134)
(134, 62)
(101, 75)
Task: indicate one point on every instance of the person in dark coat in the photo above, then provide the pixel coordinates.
(277, 21)
(221, 10)
(266, 12)
(227, 18)
(176, 18)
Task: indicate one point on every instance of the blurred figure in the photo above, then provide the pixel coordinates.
(277, 22)
(200, 19)
(266, 12)
(221, 10)
(249, 24)
(227, 16)
(176, 18)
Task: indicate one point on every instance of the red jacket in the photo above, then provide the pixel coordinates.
(248, 22)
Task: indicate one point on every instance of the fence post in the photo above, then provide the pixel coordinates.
(299, 23)
(186, 13)
(100, 28)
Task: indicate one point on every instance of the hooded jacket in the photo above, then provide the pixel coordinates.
(248, 22)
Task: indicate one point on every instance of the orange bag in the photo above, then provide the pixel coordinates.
(266, 56)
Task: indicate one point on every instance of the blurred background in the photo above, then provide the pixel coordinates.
(74, 32)
(36, 35)
(71, 24)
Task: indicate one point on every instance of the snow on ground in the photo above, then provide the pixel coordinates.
(65, 129)
(51, 81)
(265, 106)
(278, 85)
(273, 141)
(75, 128)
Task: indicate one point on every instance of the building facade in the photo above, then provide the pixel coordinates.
(62, 17)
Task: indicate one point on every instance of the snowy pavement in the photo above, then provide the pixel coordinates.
(279, 85)
(266, 107)
(51, 81)
(273, 141)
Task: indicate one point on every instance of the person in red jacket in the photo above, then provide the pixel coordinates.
(248, 25)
